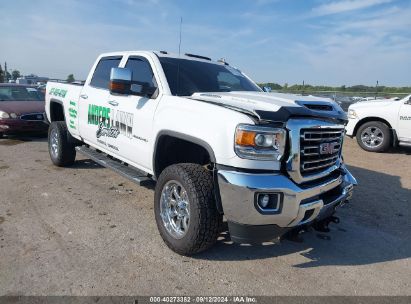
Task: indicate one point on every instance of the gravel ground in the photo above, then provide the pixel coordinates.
(87, 231)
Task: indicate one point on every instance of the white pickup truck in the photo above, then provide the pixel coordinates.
(380, 124)
(214, 143)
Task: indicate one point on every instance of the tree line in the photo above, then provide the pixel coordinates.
(354, 88)
(13, 75)
(4, 76)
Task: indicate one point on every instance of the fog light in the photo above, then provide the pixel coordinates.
(263, 200)
(268, 202)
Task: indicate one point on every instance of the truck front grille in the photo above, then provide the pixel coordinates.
(320, 149)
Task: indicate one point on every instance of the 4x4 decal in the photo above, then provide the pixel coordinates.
(58, 92)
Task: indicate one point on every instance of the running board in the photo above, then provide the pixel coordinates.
(136, 176)
(405, 143)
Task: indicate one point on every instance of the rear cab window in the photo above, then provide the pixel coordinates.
(101, 75)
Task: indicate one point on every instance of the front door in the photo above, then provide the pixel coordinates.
(134, 115)
(95, 112)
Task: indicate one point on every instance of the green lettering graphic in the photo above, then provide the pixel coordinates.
(97, 114)
(58, 92)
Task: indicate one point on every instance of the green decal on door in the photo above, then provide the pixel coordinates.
(110, 122)
(98, 114)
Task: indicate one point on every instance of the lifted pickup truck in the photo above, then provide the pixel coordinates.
(213, 142)
(380, 124)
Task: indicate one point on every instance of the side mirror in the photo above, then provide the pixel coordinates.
(267, 89)
(142, 89)
(408, 101)
(120, 80)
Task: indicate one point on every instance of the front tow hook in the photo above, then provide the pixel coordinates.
(322, 226)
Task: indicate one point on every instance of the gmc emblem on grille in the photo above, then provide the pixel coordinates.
(329, 148)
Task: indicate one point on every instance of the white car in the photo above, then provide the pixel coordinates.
(213, 142)
(380, 124)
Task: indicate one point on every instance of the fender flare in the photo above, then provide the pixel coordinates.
(53, 100)
(201, 143)
(189, 138)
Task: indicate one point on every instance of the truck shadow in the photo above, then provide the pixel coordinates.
(369, 232)
(85, 164)
(400, 150)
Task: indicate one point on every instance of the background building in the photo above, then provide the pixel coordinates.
(32, 79)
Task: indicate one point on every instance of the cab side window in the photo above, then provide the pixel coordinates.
(142, 73)
(101, 76)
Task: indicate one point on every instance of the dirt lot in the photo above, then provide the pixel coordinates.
(87, 231)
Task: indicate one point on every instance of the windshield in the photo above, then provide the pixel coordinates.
(20, 93)
(196, 76)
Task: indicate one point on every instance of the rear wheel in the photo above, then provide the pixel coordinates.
(62, 152)
(374, 136)
(185, 209)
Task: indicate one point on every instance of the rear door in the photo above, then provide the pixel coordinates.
(95, 112)
(404, 122)
(134, 115)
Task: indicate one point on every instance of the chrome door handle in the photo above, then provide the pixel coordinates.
(113, 103)
(84, 96)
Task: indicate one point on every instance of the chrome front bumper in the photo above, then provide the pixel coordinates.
(238, 193)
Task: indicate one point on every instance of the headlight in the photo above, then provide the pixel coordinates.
(352, 114)
(4, 115)
(259, 143)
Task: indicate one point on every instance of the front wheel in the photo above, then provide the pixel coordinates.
(185, 209)
(62, 152)
(374, 136)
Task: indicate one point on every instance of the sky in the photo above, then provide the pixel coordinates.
(321, 42)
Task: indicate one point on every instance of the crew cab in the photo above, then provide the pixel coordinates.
(380, 124)
(215, 145)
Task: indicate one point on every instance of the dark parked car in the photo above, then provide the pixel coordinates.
(21, 110)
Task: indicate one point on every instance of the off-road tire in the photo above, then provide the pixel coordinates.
(66, 152)
(1, 135)
(387, 136)
(205, 220)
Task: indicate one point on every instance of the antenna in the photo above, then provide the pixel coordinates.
(179, 43)
(178, 64)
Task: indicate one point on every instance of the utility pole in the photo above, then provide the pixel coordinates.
(6, 78)
(376, 90)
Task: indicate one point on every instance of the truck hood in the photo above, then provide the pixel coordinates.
(274, 106)
(372, 104)
(22, 107)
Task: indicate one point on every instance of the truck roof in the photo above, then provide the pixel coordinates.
(187, 56)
